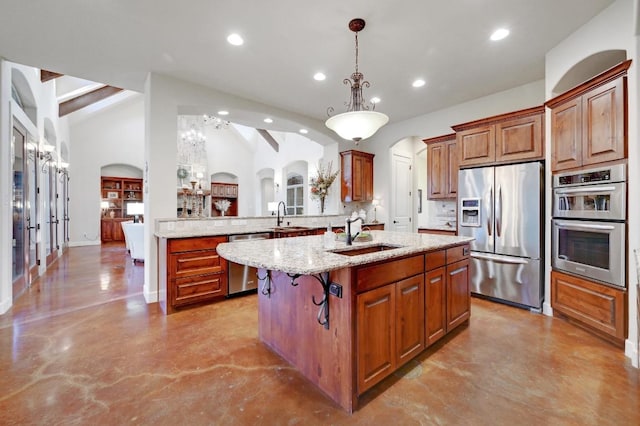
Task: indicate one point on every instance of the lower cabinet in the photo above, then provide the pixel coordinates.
(111, 229)
(390, 329)
(596, 307)
(195, 273)
(447, 296)
(405, 306)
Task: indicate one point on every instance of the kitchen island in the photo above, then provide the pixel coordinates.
(348, 317)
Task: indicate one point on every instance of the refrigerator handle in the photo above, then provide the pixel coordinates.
(499, 212)
(490, 216)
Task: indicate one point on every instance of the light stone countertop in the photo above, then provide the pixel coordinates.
(307, 256)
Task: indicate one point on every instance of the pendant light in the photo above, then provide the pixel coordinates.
(359, 122)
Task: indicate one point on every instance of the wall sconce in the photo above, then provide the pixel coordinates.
(375, 203)
(46, 155)
(277, 187)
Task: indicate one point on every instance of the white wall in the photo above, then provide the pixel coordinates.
(614, 28)
(114, 136)
(45, 108)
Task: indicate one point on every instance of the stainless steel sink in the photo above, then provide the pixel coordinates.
(356, 251)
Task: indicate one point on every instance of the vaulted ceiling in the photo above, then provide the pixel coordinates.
(445, 43)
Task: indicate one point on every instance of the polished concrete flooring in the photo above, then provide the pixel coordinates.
(82, 347)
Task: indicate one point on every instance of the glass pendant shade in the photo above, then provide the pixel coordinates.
(357, 125)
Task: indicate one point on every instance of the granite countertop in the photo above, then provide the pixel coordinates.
(439, 227)
(306, 255)
(219, 230)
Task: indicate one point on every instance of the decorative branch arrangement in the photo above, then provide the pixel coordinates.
(321, 183)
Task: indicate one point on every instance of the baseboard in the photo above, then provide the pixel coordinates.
(5, 306)
(547, 309)
(84, 243)
(150, 296)
(631, 352)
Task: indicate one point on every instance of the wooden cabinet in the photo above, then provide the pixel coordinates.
(115, 194)
(506, 138)
(374, 226)
(299, 232)
(356, 182)
(588, 123)
(376, 336)
(390, 329)
(442, 167)
(436, 231)
(224, 191)
(194, 272)
(598, 308)
(111, 229)
(447, 292)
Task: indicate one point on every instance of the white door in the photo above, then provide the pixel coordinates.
(401, 197)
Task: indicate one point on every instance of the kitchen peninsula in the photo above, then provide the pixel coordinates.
(348, 317)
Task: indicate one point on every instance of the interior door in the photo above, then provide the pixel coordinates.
(32, 211)
(401, 196)
(20, 252)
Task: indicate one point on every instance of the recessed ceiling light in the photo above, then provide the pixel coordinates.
(268, 120)
(319, 76)
(375, 100)
(499, 34)
(235, 39)
(304, 131)
(418, 83)
(223, 112)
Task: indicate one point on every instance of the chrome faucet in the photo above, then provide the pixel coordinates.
(284, 212)
(349, 222)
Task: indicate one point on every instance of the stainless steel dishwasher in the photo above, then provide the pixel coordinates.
(243, 278)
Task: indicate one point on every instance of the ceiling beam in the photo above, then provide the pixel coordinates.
(74, 104)
(48, 75)
(270, 140)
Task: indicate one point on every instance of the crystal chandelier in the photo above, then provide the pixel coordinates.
(216, 122)
(191, 142)
(359, 122)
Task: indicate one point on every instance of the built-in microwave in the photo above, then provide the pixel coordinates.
(594, 194)
(595, 250)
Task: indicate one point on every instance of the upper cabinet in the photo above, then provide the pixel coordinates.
(442, 167)
(357, 176)
(588, 123)
(506, 138)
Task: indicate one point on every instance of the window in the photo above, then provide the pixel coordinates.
(295, 194)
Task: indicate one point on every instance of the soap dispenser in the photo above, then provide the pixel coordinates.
(329, 238)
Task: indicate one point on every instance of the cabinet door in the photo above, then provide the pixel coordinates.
(106, 230)
(367, 179)
(437, 170)
(435, 305)
(566, 135)
(409, 318)
(452, 169)
(519, 139)
(603, 112)
(376, 336)
(476, 146)
(458, 296)
(597, 306)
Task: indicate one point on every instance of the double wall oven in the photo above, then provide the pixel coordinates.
(589, 223)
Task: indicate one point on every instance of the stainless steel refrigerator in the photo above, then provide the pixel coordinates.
(502, 208)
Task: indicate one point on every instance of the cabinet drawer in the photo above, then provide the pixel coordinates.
(370, 277)
(192, 244)
(595, 305)
(196, 263)
(199, 288)
(457, 253)
(436, 260)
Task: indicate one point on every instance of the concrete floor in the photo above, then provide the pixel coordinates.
(83, 347)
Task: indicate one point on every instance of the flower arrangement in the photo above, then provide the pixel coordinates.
(222, 205)
(321, 183)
